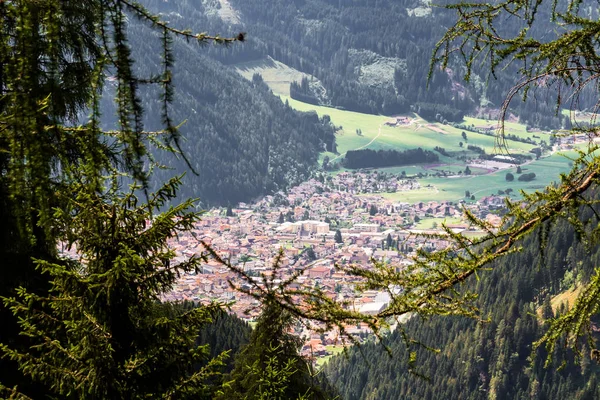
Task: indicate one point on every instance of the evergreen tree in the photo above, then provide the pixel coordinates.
(310, 254)
(270, 366)
(101, 332)
(338, 236)
(373, 210)
(55, 57)
(477, 357)
(289, 216)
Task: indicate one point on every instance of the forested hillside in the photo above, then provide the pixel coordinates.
(365, 57)
(373, 57)
(241, 140)
(489, 360)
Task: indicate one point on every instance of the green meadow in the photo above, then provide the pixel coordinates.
(421, 133)
(333, 350)
(431, 223)
(510, 127)
(346, 138)
(547, 170)
(275, 74)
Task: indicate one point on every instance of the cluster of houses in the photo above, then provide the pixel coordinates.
(324, 232)
(370, 182)
(339, 228)
(399, 121)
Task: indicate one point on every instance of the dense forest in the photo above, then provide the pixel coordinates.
(87, 106)
(488, 360)
(367, 158)
(93, 324)
(243, 143)
(374, 57)
(240, 140)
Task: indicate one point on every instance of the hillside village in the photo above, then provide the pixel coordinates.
(302, 224)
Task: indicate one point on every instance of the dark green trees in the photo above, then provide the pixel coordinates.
(309, 253)
(527, 177)
(492, 359)
(270, 366)
(93, 326)
(373, 210)
(101, 331)
(338, 237)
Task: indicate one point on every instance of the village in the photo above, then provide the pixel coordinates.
(318, 229)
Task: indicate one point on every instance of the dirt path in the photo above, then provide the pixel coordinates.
(362, 147)
(553, 151)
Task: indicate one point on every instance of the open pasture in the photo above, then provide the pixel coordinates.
(375, 134)
(275, 74)
(547, 170)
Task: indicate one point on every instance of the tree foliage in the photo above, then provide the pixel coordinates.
(493, 359)
(435, 282)
(340, 44)
(270, 366)
(91, 327)
(101, 331)
(368, 158)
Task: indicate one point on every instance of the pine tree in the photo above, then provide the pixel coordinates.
(388, 241)
(270, 366)
(309, 252)
(55, 57)
(373, 210)
(102, 332)
(338, 236)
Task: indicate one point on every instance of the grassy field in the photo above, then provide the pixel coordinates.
(420, 133)
(510, 127)
(430, 135)
(333, 351)
(350, 121)
(412, 170)
(430, 223)
(568, 298)
(547, 170)
(276, 75)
